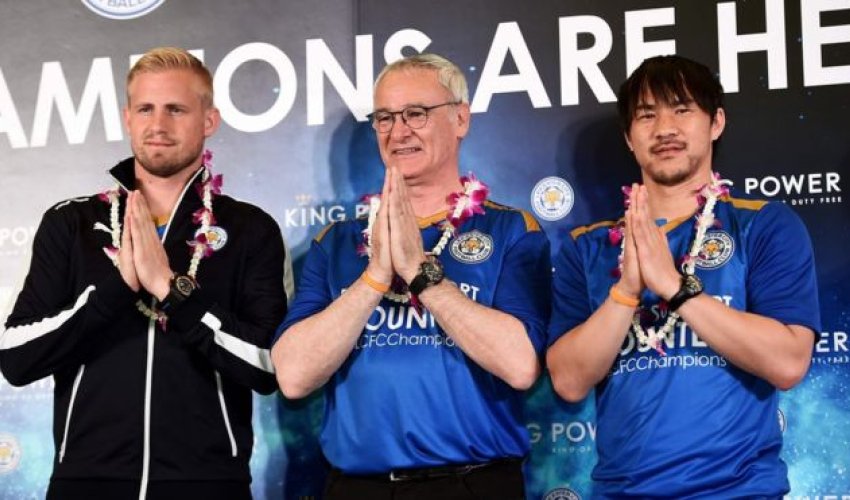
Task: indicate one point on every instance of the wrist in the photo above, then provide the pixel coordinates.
(670, 287)
(631, 291)
(378, 286)
(623, 298)
(162, 287)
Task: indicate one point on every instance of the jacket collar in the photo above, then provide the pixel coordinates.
(125, 175)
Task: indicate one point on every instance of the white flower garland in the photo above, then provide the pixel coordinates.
(462, 205)
(710, 192)
(209, 186)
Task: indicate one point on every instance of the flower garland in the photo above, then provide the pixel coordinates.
(462, 205)
(707, 196)
(210, 186)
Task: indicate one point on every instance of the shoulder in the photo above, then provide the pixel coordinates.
(759, 212)
(340, 229)
(594, 231)
(243, 210)
(520, 217)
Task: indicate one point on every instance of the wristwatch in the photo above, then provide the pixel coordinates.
(430, 273)
(690, 288)
(180, 288)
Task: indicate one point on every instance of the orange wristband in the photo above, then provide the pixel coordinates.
(373, 284)
(623, 299)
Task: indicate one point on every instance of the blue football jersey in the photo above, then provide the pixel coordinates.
(407, 396)
(690, 424)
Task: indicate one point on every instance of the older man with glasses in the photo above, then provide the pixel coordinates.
(425, 321)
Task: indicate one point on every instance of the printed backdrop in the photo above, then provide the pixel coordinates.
(293, 81)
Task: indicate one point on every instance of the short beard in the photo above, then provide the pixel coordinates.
(160, 167)
(669, 179)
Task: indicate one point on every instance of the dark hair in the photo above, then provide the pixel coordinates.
(669, 79)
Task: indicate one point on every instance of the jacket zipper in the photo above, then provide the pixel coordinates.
(224, 414)
(146, 446)
(74, 389)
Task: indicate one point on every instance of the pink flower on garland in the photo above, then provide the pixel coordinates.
(111, 252)
(463, 206)
(615, 234)
(198, 216)
(627, 195)
(201, 241)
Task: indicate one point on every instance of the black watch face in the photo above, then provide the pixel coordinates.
(693, 284)
(433, 270)
(184, 285)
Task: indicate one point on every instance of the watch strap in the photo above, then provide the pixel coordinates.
(425, 279)
(686, 292)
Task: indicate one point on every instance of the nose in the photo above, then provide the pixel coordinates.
(665, 124)
(399, 130)
(159, 120)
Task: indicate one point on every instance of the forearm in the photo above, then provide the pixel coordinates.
(496, 341)
(762, 346)
(312, 350)
(582, 357)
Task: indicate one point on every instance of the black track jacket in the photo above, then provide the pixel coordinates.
(134, 402)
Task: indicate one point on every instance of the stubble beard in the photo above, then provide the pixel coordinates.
(163, 166)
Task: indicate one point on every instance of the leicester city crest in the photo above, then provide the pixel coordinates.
(472, 247)
(717, 248)
(10, 453)
(126, 9)
(562, 494)
(552, 198)
(216, 237)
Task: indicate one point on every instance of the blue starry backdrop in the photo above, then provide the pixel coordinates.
(293, 81)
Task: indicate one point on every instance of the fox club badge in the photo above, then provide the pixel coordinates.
(472, 247)
(717, 248)
(216, 237)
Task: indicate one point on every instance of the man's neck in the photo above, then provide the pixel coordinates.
(162, 193)
(428, 197)
(672, 202)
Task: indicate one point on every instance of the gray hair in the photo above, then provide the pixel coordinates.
(448, 74)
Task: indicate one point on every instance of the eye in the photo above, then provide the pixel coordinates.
(644, 115)
(382, 117)
(415, 113)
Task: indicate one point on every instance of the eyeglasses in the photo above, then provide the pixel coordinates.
(413, 116)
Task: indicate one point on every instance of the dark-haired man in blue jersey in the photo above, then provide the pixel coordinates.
(688, 313)
(422, 400)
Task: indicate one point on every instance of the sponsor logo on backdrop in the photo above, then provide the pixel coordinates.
(552, 198)
(15, 240)
(10, 453)
(305, 214)
(122, 9)
(716, 250)
(472, 247)
(562, 494)
(577, 436)
(814, 188)
(832, 349)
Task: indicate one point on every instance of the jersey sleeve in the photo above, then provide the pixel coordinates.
(782, 283)
(524, 287)
(313, 291)
(570, 300)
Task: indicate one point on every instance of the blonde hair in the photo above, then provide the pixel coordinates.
(173, 58)
(448, 74)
